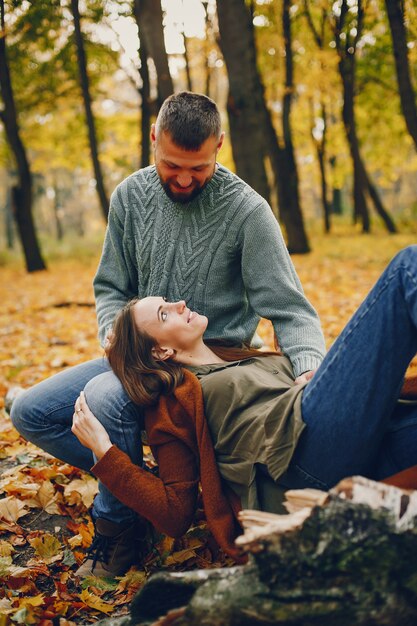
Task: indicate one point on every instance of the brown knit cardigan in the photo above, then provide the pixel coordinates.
(180, 441)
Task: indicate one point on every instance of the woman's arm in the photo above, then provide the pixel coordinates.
(168, 501)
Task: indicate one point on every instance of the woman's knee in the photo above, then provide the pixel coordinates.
(407, 256)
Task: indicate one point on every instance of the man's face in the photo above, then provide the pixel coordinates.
(184, 173)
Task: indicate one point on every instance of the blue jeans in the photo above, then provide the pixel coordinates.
(354, 424)
(43, 415)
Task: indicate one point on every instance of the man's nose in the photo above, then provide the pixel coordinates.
(184, 180)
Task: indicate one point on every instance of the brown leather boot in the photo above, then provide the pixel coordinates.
(115, 548)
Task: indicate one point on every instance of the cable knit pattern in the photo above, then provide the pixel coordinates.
(223, 253)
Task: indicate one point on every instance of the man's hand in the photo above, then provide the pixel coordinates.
(304, 378)
(88, 430)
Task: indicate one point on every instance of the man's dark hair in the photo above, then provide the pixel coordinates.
(190, 119)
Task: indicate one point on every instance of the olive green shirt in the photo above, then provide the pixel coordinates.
(253, 409)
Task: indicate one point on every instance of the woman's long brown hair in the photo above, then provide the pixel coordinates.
(145, 378)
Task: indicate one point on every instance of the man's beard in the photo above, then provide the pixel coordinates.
(183, 198)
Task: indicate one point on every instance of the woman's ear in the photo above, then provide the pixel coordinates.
(162, 354)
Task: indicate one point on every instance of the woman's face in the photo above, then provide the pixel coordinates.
(171, 324)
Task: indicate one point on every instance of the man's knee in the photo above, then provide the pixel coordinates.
(107, 398)
(20, 411)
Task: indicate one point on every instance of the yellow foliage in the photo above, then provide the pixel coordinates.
(94, 602)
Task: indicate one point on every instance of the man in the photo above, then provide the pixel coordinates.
(184, 228)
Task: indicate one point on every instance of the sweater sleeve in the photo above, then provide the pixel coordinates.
(275, 292)
(169, 500)
(113, 283)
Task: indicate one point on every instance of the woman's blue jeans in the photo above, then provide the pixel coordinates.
(43, 415)
(354, 424)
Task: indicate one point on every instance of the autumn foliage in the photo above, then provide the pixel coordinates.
(47, 324)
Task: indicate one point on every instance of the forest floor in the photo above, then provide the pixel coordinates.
(47, 323)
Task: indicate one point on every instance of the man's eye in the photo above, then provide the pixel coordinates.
(164, 316)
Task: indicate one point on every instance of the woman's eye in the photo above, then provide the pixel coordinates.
(164, 316)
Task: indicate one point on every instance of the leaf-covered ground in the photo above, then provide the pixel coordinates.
(47, 323)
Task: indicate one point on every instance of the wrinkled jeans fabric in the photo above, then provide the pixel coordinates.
(43, 415)
(354, 424)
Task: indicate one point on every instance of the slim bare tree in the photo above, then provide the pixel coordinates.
(149, 18)
(85, 88)
(22, 197)
(396, 17)
(348, 26)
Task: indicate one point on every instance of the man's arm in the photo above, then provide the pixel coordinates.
(113, 282)
(275, 292)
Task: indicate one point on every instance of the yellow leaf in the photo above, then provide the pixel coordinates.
(6, 549)
(32, 601)
(180, 557)
(47, 547)
(87, 488)
(11, 509)
(94, 602)
(76, 541)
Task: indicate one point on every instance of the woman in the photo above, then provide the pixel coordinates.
(269, 432)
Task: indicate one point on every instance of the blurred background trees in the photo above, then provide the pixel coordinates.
(317, 98)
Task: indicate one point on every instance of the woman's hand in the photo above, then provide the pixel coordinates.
(88, 430)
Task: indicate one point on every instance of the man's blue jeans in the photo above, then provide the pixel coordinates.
(354, 424)
(43, 415)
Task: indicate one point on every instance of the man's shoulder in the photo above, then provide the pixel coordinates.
(232, 183)
(141, 179)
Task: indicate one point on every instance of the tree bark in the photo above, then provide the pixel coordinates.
(148, 14)
(245, 102)
(252, 131)
(145, 94)
(361, 180)
(337, 559)
(299, 238)
(8, 220)
(320, 143)
(187, 64)
(22, 191)
(396, 16)
(85, 88)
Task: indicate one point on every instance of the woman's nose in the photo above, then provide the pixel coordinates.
(180, 306)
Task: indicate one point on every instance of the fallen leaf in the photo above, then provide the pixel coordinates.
(86, 487)
(47, 547)
(94, 602)
(11, 509)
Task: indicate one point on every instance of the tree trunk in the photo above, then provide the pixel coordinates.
(396, 17)
(8, 220)
(207, 40)
(148, 14)
(361, 180)
(22, 191)
(321, 158)
(337, 559)
(298, 241)
(85, 88)
(320, 143)
(145, 94)
(245, 102)
(187, 64)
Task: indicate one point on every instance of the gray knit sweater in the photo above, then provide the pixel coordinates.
(223, 253)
